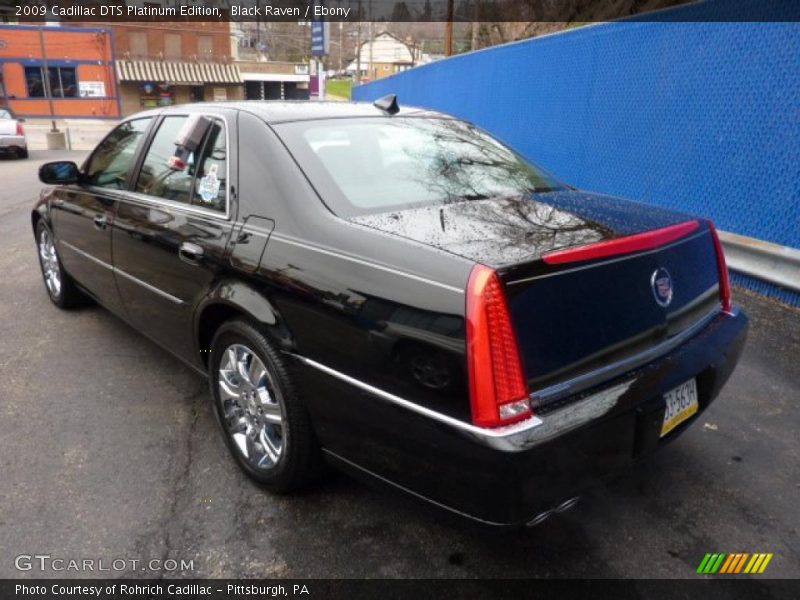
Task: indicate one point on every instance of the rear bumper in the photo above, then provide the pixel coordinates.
(8, 142)
(508, 477)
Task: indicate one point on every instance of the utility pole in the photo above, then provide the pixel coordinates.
(56, 140)
(46, 80)
(448, 32)
(369, 41)
(476, 25)
(341, 26)
(358, 46)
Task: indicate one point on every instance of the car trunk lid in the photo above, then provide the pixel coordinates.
(576, 318)
(8, 127)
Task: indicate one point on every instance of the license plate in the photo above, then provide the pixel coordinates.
(681, 404)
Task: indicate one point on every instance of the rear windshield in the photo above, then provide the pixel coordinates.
(373, 165)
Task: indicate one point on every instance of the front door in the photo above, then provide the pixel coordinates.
(83, 214)
(170, 234)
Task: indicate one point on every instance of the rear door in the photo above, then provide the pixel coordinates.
(84, 214)
(171, 232)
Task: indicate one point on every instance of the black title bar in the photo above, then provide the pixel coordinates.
(575, 11)
(753, 588)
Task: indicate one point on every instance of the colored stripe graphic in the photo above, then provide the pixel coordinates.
(710, 564)
(722, 563)
(729, 563)
(715, 567)
(752, 563)
(741, 562)
(765, 563)
(703, 563)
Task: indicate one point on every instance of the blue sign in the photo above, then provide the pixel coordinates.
(320, 37)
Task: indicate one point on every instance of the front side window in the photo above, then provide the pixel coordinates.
(372, 165)
(200, 180)
(62, 81)
(112, 160)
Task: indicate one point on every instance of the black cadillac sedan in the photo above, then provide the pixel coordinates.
(396, 292)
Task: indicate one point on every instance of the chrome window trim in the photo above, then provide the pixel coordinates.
(189, 208)
(294, 242)
(128, 276)
(140, 198)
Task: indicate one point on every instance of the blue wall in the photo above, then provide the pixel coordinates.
(703, 117)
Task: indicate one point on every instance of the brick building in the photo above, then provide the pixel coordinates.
(162, 63)
(61, 72)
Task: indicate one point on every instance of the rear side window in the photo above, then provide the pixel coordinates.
(108, 167)
(201, 182)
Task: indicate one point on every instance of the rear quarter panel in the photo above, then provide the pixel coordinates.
(363, 303)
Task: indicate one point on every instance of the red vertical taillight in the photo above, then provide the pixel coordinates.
(498, 390)
(20, 130)
(722, 267)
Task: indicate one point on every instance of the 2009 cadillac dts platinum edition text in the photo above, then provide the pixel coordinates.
(396, 292)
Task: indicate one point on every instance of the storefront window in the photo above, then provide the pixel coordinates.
(33, 77)
(157, 94)
(62, 80)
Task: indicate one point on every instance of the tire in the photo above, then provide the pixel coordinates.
(22, 153)
(59, 285)
(265, 424)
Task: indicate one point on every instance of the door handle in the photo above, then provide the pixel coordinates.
(100, 221)
(190, 253)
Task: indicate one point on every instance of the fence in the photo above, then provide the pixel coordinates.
(699, 116)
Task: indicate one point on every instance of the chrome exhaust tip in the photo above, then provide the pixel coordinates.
(567, 504)
(542, 517)
(539, 519)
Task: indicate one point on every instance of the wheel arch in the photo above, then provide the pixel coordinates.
(235, 299)
(41, 210)
(38, 213)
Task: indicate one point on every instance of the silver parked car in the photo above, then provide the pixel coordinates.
(12, 135)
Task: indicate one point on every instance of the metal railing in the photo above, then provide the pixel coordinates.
(763, 260)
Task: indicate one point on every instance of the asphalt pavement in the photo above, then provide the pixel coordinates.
(109, 450)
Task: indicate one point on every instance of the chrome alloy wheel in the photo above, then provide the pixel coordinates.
(252, 407)
(49, 261)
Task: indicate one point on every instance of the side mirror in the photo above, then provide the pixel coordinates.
(59, 173)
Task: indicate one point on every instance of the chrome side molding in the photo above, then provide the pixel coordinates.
(117, 271)
(497, 433)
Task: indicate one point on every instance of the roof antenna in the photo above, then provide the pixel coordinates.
(387, 104)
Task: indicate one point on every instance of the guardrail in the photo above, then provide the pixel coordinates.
(763, 260)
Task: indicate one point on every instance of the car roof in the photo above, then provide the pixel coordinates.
(280, 111)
